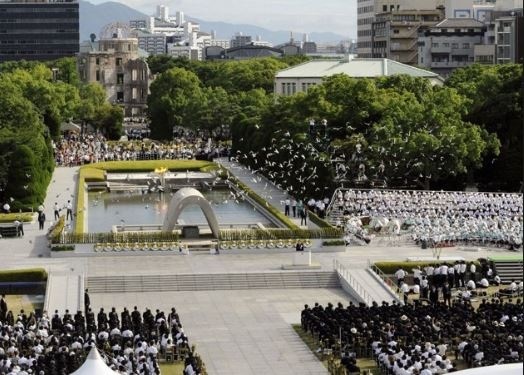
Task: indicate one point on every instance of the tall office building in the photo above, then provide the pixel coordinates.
(38, 29)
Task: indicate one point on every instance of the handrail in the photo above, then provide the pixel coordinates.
(353, 283)
(386, 279)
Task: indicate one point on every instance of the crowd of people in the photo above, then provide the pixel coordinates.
(439, 218)
(131, 342)
(421, 338)
(73, 150)
(447, 280)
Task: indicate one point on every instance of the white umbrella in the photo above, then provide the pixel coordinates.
(94, 365)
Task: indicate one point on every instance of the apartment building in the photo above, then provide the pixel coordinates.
(395, 33)
(368, 9)
(450, 44)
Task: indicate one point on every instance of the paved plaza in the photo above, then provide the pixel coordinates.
(236, 332)
(239, 332)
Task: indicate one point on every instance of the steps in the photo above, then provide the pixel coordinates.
(508, 269)
(219, 281)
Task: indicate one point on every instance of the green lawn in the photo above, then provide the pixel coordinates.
(15, 303)
(176, 368)
(367, 365)
(506, 258)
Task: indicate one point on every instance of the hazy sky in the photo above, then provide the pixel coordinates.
(295, 15)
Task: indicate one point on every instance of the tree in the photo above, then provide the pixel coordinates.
(174, 100)
(55, 101)
(494, 95)
(26, 154)
(92, 98)
(428, 141)
(108, 120)
(65, 70)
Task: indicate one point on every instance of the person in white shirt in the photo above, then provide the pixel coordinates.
(462, 273)
(471, 285)
(472, 271)
(400, 274)
(484, 283)
(417, 273)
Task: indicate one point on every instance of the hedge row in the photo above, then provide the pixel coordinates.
(321, 223)
(278, 234)
(390, 268)
(56, 230)
(151, 165)
(24, 275)
(25, 217)
(261, 201)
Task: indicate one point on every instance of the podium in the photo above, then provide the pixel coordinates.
(301, 261)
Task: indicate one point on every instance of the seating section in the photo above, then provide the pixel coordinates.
(131, 342)
(406, 339)
(436, 217)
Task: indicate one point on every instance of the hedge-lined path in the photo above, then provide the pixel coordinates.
(263, 187)
(32, 249)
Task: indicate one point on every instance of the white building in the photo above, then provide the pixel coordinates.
(301, 77)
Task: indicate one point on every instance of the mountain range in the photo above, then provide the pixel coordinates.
(94, 17)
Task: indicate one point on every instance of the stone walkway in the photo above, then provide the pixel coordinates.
(262, 186)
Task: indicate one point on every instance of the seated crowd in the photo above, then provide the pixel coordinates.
(418, 338)
(440, 217)
(130, 342)
(78, 150)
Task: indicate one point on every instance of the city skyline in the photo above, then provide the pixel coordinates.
(338, 16)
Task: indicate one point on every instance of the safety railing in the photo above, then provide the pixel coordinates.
(391, 284)
(353, 283)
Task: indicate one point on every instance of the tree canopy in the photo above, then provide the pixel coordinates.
(416, 134)
(36, 99)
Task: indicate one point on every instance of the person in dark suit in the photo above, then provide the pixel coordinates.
(41, 220)
(87, 301)
(3, 308)
(299, 246)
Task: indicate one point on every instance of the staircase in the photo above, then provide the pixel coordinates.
(218, 281)
(508, 268)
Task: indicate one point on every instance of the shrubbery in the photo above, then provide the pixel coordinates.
(25, 217)
(24, 275)
(390, 268)
(56, 230)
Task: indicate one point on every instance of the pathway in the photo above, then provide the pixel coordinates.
(261, 186)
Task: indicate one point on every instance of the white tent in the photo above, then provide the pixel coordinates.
(94, 365)
(70, 127)
(509, 369)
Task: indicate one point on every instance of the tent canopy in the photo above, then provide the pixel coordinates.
(94, 365)
(70, 127)
(508, 369)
